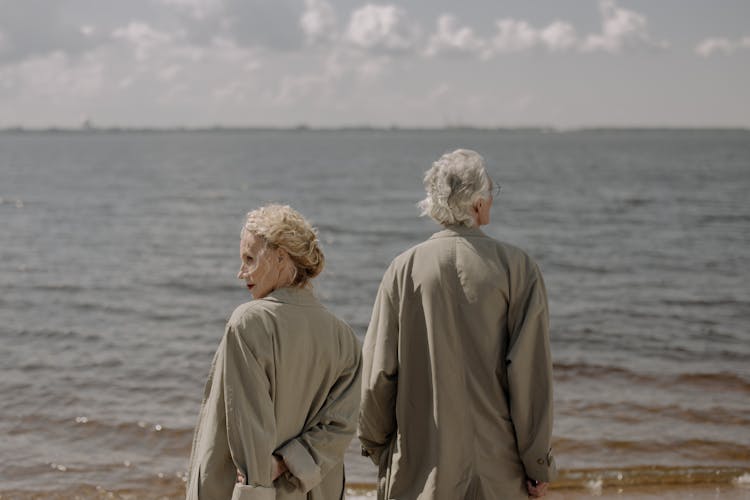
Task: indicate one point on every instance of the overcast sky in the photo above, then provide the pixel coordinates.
(560, 63)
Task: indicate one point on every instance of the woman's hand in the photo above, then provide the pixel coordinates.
(536, 489)
(279, 468)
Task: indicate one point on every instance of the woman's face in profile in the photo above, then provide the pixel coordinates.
(259, 269)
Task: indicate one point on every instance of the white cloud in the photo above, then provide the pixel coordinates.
(452, 38)
(56, 75)
(438, 92)
(232, 92)
(710, 46)
(372, 68)
(144, 39)
(621, 29)
(378, 27)
(169, 73)
(198, 9)
(38, 27)
(514, 36)
(558, 36)
(318, 21)
(296, 88)
(715, 45)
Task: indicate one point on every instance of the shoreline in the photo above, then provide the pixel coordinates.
(737, 488)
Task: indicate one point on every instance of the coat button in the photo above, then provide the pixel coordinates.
(540, 461)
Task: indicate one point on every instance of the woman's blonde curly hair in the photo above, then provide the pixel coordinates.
(280, 226)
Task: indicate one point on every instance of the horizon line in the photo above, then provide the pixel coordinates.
(86, 128)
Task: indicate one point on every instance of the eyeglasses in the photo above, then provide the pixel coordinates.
(495, 189)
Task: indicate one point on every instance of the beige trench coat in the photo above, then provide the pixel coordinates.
(285, 380)
(457, 374)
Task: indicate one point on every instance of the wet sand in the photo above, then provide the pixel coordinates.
(174, 490)
(696, 492)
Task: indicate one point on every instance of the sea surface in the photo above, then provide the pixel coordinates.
(119, 255)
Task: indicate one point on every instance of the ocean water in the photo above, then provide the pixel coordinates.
(119, 251)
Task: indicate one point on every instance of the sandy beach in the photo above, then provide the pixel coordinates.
(697, 492)
(174, 491)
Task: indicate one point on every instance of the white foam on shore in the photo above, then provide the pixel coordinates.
(594, 486)
(361, 496)
(742, 481)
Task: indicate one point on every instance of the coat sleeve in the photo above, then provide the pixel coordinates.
(321, 446)
(211, 467)
(377, 416)
(251, 420)
(529, 371)
(236, 427)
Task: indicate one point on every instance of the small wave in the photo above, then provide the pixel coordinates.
(704, 450)
(62, 287)
(374, 233)
(193, 286)
(719, 381)
(568, 371)
(580, 268)
(82, 424)
(724, 218)
(648, 476)
(50, 334)
(705, 302)
(159, 487)
(633, 412)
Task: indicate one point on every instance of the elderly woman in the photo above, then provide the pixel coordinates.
(457, 376)
(281, 400)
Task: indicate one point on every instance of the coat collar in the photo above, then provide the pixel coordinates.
(293, 295)
(458, 230)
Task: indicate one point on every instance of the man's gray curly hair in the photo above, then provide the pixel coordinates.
(453, 184)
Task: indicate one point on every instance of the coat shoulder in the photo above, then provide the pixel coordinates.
(505, 250)
(252, 317)
(513, 252)
(249, 311)
(405, 258)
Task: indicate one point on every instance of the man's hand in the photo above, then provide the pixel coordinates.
(535, 488)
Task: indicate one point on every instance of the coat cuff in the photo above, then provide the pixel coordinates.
(373, 453)
(541, 468)
(245, 492)
(300, 464)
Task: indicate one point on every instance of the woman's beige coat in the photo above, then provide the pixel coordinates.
(457, 374)
(285, 380)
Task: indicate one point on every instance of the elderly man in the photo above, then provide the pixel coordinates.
(457, 373)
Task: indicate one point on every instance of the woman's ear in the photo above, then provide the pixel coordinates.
(281, 254)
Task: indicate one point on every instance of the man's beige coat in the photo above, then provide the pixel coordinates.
(457, 374)
(285, 380)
